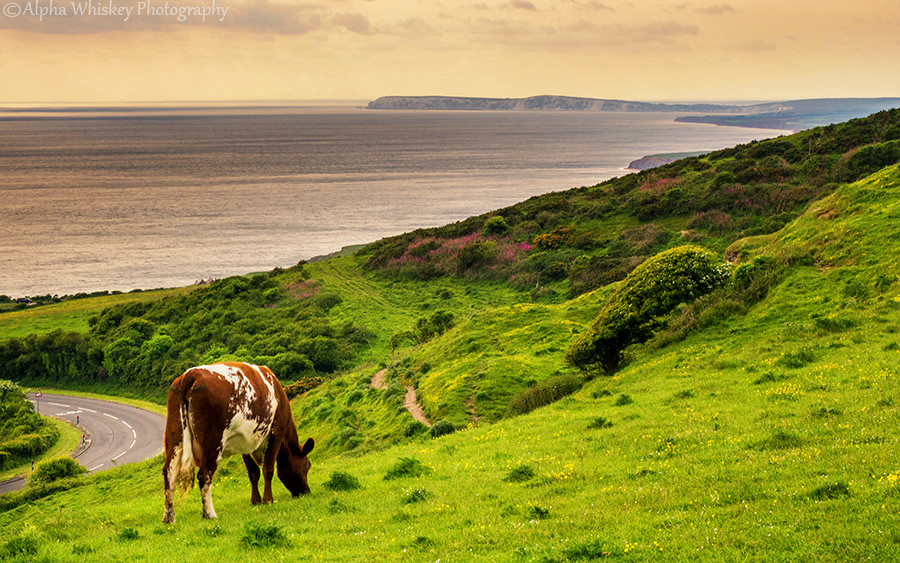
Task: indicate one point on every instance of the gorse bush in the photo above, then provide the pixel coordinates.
(639, 305)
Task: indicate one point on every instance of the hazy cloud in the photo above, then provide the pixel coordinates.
(356, 23)
(523, 5)
(591, 5)
(716, 10)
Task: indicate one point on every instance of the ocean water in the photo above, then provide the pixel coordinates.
(93, 201)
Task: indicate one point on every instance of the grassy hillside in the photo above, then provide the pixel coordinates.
(71, 315)
(768, 437)
(759, 424)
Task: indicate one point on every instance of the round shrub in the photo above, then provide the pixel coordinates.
(639, 305)
(54, 469)
(414, 428)
(496, 226)
(340, 481)
(442, 428)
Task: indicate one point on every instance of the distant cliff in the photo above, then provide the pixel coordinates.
(794, 115)
(543, 103)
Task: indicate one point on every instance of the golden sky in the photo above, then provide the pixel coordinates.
(362, 49)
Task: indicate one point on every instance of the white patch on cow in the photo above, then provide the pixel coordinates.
(247, 432)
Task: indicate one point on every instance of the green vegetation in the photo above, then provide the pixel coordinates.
(24, 435)
(753, 419)
(639, 306)
(54, 469)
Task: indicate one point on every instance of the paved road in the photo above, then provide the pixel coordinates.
(114, 434)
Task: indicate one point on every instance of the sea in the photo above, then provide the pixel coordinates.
(96, 199)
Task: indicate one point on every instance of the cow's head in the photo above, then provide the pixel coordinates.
(293, 473)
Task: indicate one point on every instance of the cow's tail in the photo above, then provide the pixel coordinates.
(181, 466)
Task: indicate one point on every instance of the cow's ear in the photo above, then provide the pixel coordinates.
(307, 446)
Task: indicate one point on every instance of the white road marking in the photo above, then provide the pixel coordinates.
(110, 416)
(88, 410)
(133, 433)
(59, 405)
(126, 424)
(96, 466)
(120, 455)
(132, 443)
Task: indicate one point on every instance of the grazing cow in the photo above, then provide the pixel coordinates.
(225, 409)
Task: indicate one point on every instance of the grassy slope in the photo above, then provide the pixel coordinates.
(71, 315)
(770, 437)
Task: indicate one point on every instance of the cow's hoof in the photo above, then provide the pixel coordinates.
(210, 515)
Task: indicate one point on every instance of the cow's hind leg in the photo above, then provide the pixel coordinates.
(253, 474)
(169, 483)
(204, 478)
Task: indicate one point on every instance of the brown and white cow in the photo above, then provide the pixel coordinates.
(224, 409)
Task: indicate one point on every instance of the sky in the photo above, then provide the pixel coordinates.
(137, 51)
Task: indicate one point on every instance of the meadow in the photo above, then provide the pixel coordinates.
(758, 423)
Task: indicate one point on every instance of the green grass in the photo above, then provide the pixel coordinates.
(71, 315)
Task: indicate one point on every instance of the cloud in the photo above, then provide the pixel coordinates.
(593, 5)
(523, 5)
(583, 34)
(716, 10)
(356, 23)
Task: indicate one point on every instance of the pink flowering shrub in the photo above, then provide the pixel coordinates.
(302, 289)
(473, 254)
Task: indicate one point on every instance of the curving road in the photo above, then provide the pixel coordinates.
(114, 434)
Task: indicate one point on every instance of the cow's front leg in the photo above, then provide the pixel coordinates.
(253, 474)
(205, 477)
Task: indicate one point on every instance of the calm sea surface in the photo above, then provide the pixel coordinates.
(145, 201)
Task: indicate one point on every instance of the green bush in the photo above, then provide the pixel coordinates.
(520, 474)
(639, 305)
(406, 467)
(54, 469)
(600, 423)
(496, 225)
(340, 481)
(544, 393)
(623, 400)
(414, 428)
(415, 495)
(128, 534)
(263, 535)
(442, 428)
